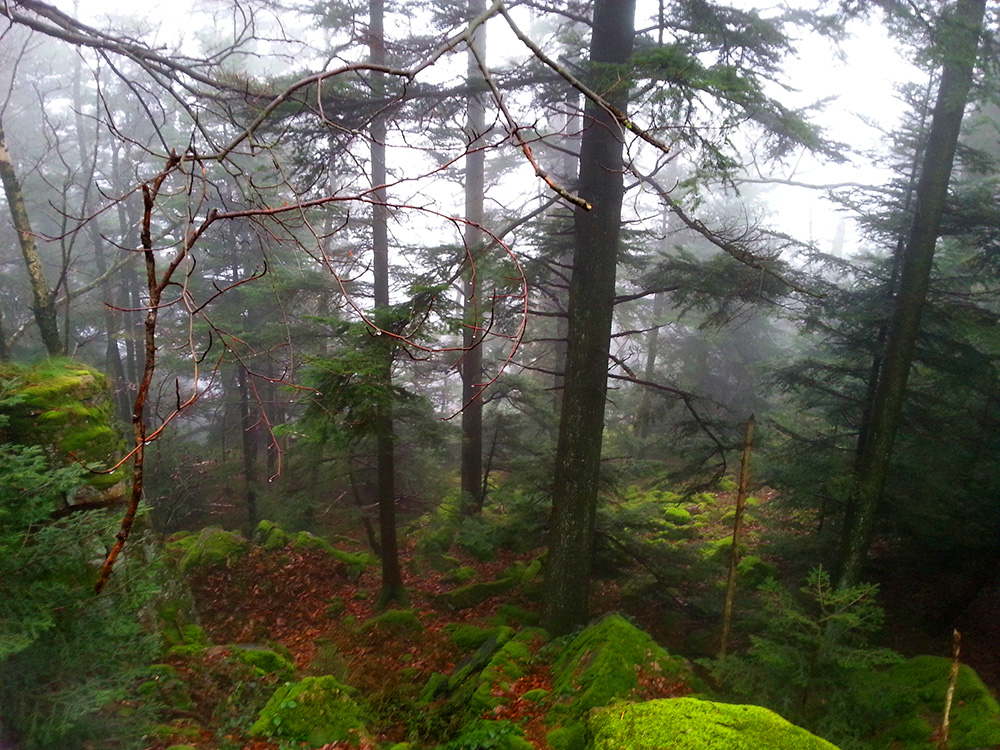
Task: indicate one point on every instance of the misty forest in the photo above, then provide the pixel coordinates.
(570, 375)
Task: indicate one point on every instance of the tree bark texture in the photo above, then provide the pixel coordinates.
(591, 299)
(43, 298)
(960, 32)
(472, 360)
(88, 153)
(248, 446)
(392, 577)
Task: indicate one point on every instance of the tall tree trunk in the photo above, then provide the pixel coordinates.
(649, 369)
(248, 445)
(567, 161)
(272, 408)
(128, 277)
(43, 298)
(961, 30)
(891, 283)
(591, 300)
(392, 577)
(112, 355)
(472, 360)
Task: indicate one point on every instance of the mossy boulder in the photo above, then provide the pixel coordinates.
(317, 711)
(605, 662)
(916, 689)
(508, 665)
(570, 736)
(351, 564)
(469, 637)
(268, 535)
(172, 610)
(66, 408)
(460, 575)
(475, 594)
(263, 660)
(434, 685)
(477, 661)
(692, 724)
(676, 515)
(212, 547)
(396, 622)
(524, 572)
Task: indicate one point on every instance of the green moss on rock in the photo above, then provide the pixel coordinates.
(475, 593)
(538, 695)
(508, 665)
(477, 661)
(395, 621)
(353, 563)
(692, 724)
(432, 687)
(604, 662)
(570, 736)
(717, 550)
(916, 689)
(461, 574)
(265, 660)
(268, 535)
(317, 710)
(676, 515)
(213, 547)
(469, 637)
(65, 407)
(165, 686)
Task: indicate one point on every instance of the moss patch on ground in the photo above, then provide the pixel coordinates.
(916, 689)
(489, 735)
(474, 594)
(606, 661)
(395, 621)
(317, 710)
(692, 724)
(264, 660)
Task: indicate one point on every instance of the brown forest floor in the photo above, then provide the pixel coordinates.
(285, 598)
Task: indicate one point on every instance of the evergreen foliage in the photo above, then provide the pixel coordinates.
(812, 662)
(67, 657)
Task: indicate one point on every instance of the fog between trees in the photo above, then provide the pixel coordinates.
(343, 261)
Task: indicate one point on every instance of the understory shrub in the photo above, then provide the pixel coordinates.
(68, 658)
(811, 662)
